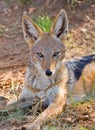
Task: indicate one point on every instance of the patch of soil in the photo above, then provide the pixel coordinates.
(14, 52)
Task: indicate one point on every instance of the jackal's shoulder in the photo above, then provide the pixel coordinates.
(81, 75)
(78, 65)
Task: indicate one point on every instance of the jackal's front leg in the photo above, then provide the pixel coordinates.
(54, 109)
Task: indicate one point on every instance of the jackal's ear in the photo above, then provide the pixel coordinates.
(31, 31)
(60, 25)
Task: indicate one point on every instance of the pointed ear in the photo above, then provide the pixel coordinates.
(60, 25)
(31, 31)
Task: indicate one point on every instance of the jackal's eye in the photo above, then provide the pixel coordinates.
(40, 54)
(56, 54)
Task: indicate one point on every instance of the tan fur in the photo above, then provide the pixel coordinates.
(86, 84)
(88, 77)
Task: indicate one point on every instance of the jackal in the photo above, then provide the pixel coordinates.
(47, 73)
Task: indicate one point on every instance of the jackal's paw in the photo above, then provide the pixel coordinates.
(34, 127)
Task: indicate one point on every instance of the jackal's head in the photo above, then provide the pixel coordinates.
(46, 49)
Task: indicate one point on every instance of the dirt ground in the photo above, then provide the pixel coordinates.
(14, 53)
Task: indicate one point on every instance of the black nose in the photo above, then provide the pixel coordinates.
(48, 72)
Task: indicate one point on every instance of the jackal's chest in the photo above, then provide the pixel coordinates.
(46, 96)
(41, 82)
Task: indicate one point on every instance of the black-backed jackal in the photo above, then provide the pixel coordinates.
(48, 74)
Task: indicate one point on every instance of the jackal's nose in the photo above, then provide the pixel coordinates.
(48, 72)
